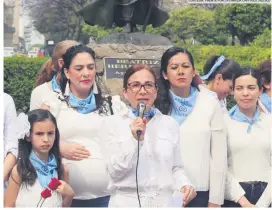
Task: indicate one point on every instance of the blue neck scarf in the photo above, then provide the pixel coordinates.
(266, 100)
(83, 106)
(236, 114)
(45, 170)
(55, 85)
(182, 107)
(149, 114)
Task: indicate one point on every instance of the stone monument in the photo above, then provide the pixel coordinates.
(130, 45)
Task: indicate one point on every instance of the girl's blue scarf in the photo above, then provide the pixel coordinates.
(45, 170)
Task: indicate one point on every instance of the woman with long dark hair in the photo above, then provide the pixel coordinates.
(201, 126)
(81, 106)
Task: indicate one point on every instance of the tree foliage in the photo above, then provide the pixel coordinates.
(184, 25)
(263, 40)
(58, 19)
(243, 20)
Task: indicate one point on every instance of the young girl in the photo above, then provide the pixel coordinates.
(39, 160)
(249, 145)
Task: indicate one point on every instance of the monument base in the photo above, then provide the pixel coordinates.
(128, 45)
(137, 38)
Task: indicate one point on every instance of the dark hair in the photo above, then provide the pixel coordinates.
(25, 168)
(265, 69)
(248, 70)
(227, 68)
(101, 102)
(135, 68)
(163, 101)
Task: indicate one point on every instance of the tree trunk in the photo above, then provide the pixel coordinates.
(232, 39)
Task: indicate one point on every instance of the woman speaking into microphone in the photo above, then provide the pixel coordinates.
(145, 170)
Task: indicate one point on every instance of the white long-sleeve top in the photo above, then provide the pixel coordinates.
(160, 163)
(10, 131)
(44, 95)
(249, 157)
(222, 102)
(204, 147)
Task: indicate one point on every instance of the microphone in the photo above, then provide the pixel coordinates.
(141, 109)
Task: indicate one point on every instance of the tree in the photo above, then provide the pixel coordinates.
(58, 19)
(191, 22)
(263, 40)
(243, 20)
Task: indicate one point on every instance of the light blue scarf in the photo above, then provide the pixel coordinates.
(236, 114)
(55, 85)
(149, 114)
(83, 106)
(45, 170)
(182, 107)
(266, 100)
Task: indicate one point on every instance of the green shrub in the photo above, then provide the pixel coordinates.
(245, 56)
(19, 77)
(263, 40)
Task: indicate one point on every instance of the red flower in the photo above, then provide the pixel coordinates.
(54, 183)
(46, 193)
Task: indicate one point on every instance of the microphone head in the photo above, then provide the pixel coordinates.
(141, 109)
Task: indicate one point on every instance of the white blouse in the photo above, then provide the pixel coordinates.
(160, 170)
(222, 102)
(204, 147)
(249, 157)
(44, 94)
(10, 116)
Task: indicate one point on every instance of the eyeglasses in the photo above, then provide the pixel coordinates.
(137, 86)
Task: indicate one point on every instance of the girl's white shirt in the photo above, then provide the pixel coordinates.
(29, 197)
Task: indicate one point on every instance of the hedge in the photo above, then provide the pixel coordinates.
(245, 56)
(19, 77)
(20, 72)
